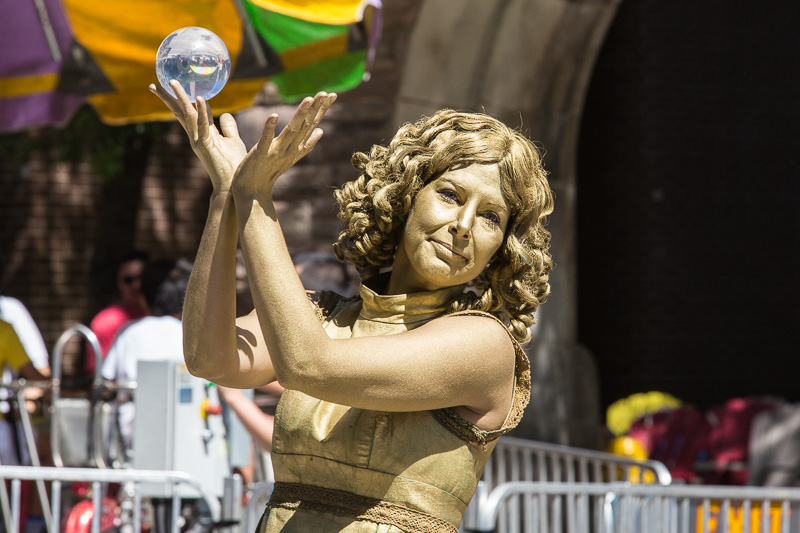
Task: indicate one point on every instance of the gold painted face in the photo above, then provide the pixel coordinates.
(456, 224)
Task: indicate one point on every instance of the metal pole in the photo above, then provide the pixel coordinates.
(16, 487)
(47, 28)
(97, 504)
(137, 510)
(34, 453)
(55, 503)
(4, 504)
(176, 504)
(250, 34)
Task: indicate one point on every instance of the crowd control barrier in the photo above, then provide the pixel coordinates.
(525, 460)
(78, 425)
(516, 460)
(533, 507)
(223, 514)
(15, 392)
(251, 513)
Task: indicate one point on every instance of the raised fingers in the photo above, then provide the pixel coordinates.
(165, 97)
(311, 133)
(203, 118)
(303, 122)
(322, 102)
(229, 126)
(186, 107)
(310, 119)
(267, 135)
(315, 136)
(327, 102)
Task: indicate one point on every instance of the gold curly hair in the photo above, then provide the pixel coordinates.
(375, 205)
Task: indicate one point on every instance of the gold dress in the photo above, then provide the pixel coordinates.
(338, 468)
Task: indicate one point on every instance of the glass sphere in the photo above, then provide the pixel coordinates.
(197, 58)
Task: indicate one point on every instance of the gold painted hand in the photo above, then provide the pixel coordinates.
(220, 153)
(273, 156)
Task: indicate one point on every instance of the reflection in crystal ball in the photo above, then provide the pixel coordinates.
(197, 58)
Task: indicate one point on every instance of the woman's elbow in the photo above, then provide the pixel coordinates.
(201, 366)
(287, 378)
(303, 378)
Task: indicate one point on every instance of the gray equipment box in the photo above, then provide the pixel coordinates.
(171, 431)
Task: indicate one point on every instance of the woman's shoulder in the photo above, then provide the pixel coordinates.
(490, 325)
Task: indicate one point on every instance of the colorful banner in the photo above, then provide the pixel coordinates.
(316, 55)
(57, 54)
(34, 39)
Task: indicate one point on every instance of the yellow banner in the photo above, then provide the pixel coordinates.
(123, 36)
(337, 12)
(24, 85)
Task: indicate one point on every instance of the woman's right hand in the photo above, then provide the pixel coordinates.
(274, 155)
(220, 153)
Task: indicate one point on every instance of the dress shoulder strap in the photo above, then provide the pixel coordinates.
(521, 396)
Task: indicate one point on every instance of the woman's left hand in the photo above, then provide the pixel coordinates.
(220, 152)
(273, 156)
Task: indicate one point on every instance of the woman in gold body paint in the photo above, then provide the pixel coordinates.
(395, 398)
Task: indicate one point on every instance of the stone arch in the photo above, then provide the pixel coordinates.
(527, 62)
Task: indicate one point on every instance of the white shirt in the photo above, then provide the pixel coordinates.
(153, 338)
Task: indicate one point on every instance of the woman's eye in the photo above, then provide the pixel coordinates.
(494, 218)
(449, 195)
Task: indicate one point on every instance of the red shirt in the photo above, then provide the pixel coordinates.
(105, 325)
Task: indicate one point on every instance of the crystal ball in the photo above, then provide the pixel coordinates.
(197, 58)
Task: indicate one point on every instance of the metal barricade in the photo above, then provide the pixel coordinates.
(81, 415)
(17, 394)
(79, 429)
(533, 507)
(525, 460)
(83, 429)
(225, 515)
(258, 494)
(251, 514)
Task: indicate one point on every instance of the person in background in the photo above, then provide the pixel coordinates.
(15, 313)
(13, 357)
(129, 307)
(157, 337)
(255, 421)
(13, 450)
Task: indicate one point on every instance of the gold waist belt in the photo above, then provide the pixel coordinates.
(299, 497)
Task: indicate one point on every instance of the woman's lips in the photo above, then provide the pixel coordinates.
(448, 248)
